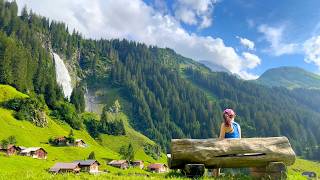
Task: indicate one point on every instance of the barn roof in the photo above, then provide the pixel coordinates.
(86, 162)
(31, 149)
(58, 166)
(115, 162)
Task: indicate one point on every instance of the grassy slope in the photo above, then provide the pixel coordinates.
(107, 94)
(29, 135)
(302, 165)
(7, 92)
(135, 138)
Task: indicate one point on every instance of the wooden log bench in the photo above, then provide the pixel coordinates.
(264, 156)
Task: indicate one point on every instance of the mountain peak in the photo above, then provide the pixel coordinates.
(290, 77)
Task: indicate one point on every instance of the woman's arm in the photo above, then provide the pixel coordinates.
(239, 129)
(222, 131)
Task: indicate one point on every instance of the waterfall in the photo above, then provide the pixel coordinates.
(92, 102)
(63, 76)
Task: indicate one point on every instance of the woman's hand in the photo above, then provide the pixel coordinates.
(222, 131)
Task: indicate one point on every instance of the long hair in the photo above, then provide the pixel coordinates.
(230, 113)
(227, 121)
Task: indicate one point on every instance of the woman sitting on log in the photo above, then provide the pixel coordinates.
(228, 129)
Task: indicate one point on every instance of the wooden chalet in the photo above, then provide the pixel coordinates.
(122, 164)
(65, 168)
(79, 143)
(158, 168)
(91, 166)
(61, 141)
(138, 163)
(10, 149)
(35, 152)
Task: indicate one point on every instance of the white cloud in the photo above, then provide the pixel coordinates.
(139, 22)
(251, 60)
(195, 12)
(246, 43)
(206, 22)
(186, 15)
(274, 36)
(311, 48)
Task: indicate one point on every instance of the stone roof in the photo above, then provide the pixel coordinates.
(86, 162)
(115, 162)
(58, 166)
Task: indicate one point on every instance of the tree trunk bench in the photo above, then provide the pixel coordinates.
(265, 156)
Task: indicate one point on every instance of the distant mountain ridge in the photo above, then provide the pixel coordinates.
(290, 77)
(214, 67)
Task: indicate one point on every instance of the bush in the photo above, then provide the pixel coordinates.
(112, 124)
(67, 112)
(127, 152)
(12, 140)
(92, 127)
(4, 143)
(92, 155)
(152, 150)
(30, 109)
(51, 140)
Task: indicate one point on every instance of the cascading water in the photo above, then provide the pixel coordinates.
(63, 76)
(92, 102)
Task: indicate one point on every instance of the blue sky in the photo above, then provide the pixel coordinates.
(245, 36)
(244, 17)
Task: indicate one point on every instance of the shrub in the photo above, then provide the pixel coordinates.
(66, 111)
(30, 109)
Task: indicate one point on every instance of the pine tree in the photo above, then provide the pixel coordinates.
(92, 155)
(116, 106)
(127, 152)
(12, 140)
(130, 153)
(77, 99)
(24, 14)
(4, 144)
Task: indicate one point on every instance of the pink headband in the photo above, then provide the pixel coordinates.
(229, 112)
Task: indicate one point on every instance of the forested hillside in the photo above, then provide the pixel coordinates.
(26, 62)
(164, 94)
